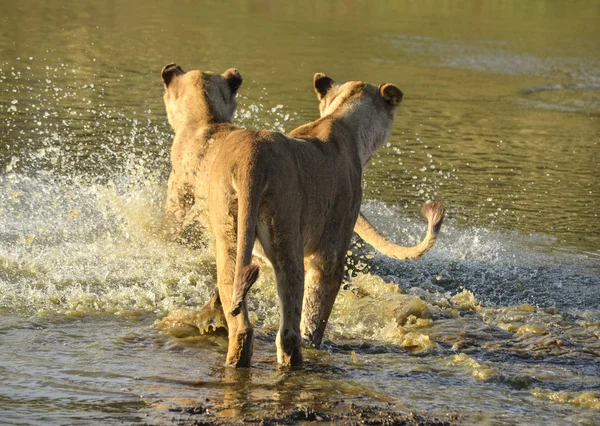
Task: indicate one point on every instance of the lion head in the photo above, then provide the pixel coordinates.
(199, 96)
(358, 102)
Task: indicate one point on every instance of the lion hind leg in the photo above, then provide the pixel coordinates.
(283, 248)
(240, 332)
(290, 288)
(322, 284)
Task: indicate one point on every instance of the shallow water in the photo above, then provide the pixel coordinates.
(499, 324)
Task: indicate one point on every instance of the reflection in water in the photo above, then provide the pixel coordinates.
(238, 389)
(499, 323)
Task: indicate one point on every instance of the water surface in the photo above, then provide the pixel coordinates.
(499, 324)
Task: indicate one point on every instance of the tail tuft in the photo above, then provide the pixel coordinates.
(249, 277)
(434, 212)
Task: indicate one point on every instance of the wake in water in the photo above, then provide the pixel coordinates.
(500, 268)
(80, 226)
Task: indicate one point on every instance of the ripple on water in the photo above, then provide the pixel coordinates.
(84, 273)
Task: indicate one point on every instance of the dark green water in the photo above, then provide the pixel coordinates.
(500, 120)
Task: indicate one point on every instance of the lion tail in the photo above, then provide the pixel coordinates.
(434, 213)
(246, 274)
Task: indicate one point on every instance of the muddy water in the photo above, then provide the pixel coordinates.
(499, 324)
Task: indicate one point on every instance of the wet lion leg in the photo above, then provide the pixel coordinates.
(241, 334)
(290, 282)
(322, 283)
(283, 248)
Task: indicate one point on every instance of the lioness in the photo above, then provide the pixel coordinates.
(298, 196)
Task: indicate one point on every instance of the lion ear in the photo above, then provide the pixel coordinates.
(391, 93)
(170, 71)
(234, 79)
(322, 84)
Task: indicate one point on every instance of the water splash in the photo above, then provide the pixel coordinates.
(501, 268)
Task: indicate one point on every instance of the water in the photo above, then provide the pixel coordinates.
(499, 324)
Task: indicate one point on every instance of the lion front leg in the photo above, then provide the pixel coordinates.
(180, 198)
(321, 285)
(241, 334)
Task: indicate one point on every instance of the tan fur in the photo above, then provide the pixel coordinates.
(433, 212)
(296, 197)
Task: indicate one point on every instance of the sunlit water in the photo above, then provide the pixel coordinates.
(499, 324)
